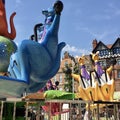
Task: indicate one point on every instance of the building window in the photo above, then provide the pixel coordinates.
(66, 63)
(116, 51)
(88, 67)
(60, 78)
(61, 89)
(103, 63)
(103, 52)
(118, 61)
(118, 73)
(55, 79)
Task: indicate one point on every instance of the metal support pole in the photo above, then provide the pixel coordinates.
(107, 112)
(115, 112)
(98, 116)
(14, 112)
(89, 111)
(39, 114)
(70, 115)
(26, 114)
(1, 112)
(49, 116)
(60, 111)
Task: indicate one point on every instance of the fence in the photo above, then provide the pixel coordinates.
(86, 110)
(66, 109)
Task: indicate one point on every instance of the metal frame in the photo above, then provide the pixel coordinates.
(65, 115)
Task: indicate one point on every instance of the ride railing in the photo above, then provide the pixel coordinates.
(86, 110)
(62, 109)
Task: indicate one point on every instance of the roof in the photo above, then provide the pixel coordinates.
(98, 47)
(35, 96)
(109, 45)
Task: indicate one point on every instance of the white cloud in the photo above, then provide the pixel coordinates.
(76, 51)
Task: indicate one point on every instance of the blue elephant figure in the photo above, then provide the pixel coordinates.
(34, 63)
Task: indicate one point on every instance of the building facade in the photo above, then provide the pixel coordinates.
(60, 75)
(107, 53)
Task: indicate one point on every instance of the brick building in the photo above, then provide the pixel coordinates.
(60, 75)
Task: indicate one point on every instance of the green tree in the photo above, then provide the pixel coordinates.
(68, 78)
(67, 70)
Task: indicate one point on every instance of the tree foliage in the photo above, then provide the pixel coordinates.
(67, 70)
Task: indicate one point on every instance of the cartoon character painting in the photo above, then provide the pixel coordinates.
(34, 63)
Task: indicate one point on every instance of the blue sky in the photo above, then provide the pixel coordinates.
(82, 21)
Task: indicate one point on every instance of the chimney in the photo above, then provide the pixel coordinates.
(94, 43)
